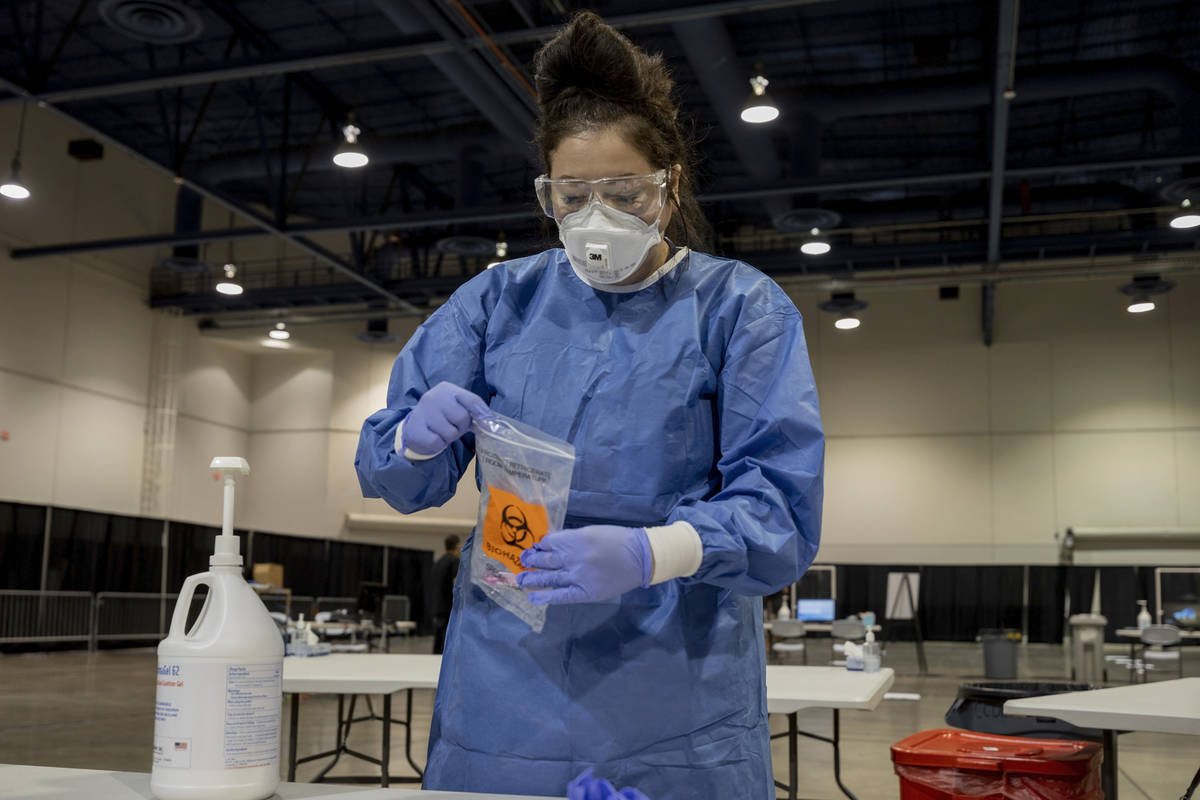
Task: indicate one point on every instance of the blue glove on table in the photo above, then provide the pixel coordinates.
(591, 564)
(441, 417)
(588, 787)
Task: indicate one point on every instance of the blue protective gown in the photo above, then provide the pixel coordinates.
(690, 399)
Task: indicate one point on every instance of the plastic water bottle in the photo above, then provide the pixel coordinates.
(870, 653)
(1143, 617)
(784, 611)
(218, 702)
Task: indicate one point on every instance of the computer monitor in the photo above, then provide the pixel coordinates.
(1182, 613)
(815, 610)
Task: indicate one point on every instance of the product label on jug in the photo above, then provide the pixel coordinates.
(212, 714)
(252, 709)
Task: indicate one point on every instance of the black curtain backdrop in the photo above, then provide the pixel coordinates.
(408, 574)
(188, 549)
(95, 552)
(1047, 595)
(351, 564)
(955, 602)
(22, 530)
(306, 562)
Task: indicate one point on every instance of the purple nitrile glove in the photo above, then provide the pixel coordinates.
(588, 787)
(441, 417)
(591, 564)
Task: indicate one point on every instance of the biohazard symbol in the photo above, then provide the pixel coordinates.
(514, 529)
(510, 526)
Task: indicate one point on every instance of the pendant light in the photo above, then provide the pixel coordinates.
(846, 306)
(350, 153)
(759, 107)
(1187, 216)
(14, 188)
(815, 244)
(230, 285)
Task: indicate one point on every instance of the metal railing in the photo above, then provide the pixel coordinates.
(33, 617)
(133, 615)
(28, 616)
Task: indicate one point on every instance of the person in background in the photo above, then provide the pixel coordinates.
(683, 381)
(441, 583)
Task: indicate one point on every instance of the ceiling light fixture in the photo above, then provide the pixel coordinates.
(501, 251)
(350, 153)
(1142, 290)
(846, 306)
(759, 107)
(847, 322)
(280, 332)
(230, 286)
(13, 188)
(1187, 216)
(815, 244)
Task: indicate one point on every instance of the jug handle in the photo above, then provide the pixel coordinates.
(184, 601)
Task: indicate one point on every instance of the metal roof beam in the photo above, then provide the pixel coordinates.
(510, 116)
(266, 225)
(409, 221)
(1007, 20)
(713, 58)
(406, 47)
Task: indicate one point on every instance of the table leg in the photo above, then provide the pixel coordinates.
(386, 756)
(291, 774)
(793, 756)
(1131, 664)
(837, 755)
(408, 715)
(1108, 770)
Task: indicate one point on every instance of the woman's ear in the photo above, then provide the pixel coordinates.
(676, 171)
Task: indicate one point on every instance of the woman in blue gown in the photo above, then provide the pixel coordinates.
(683, 382)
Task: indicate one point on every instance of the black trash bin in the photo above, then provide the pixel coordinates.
(999, 652)
(979, 707)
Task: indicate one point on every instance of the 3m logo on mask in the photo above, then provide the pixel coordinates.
(597, 255)
(511, 526)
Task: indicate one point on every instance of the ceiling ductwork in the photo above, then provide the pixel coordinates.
(712, 57)
(474, 79)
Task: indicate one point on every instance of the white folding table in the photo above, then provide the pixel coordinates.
(59, 783)
(1159, 707)
(352, 675)
(790, 690)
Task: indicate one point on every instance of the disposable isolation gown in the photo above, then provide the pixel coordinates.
(689, 399)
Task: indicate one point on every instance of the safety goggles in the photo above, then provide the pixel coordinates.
(640, 195)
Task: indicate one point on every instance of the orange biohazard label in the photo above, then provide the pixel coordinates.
(511, 527)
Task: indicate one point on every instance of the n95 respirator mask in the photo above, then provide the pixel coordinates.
(604, 245)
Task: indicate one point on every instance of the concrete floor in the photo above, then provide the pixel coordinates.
(70, 709)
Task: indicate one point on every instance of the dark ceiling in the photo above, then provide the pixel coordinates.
(895, 134)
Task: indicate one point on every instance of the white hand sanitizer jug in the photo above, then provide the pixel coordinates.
(219, 698)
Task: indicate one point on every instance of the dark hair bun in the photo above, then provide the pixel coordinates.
(590, 57)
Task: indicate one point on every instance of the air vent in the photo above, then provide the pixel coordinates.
(476, 246)
(1185, 188)
(153, 21)
(803, 220)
